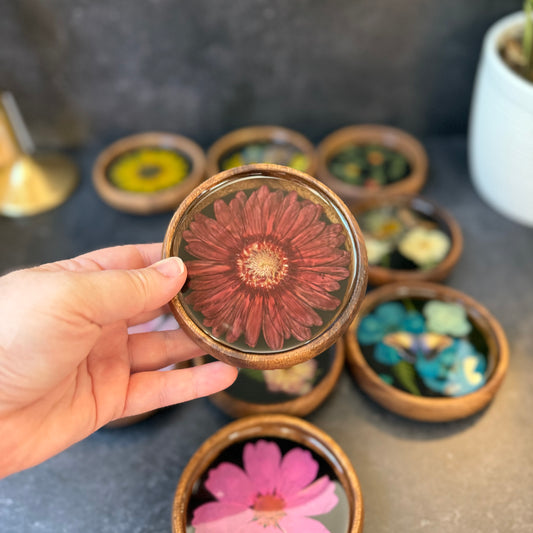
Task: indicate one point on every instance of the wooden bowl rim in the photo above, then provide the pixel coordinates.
(299, 406)
(154, 202)
(424, 408)
(389, 136)
(378, 275)
(249, 134)
(298, 354)
(276, 426)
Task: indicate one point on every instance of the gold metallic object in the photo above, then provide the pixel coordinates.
(29, 184)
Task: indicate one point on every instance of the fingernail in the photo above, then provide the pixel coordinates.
(171, 267)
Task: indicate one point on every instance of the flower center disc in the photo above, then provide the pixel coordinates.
(269, 509)
(262, 265)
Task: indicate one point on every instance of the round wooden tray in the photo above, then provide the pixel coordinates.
(379, 275)
(278, 426)
(153, 202)
(387, 136)
(256, 134)
(425, 408)
(250, 267)
(299, 406)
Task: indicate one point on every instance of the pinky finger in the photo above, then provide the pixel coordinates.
(153, 390)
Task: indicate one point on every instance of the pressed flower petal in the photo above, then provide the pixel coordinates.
(208, 251)
(225, 217)
(217, 517)
(307, 215)
(319, 280)
(317, 498)
(254, 321)
(335, 272)
(301, 524)
(289, 211)
(272, 330)
(297, 308)
(317, 299)
(202, 268)
(261, 463)
(238, 321)
(229, 484)
(298, 469)
(309, 235)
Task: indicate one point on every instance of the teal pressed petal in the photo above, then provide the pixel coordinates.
(428, 368)
(413, 323)
(390, 314)
(386, 355)
(436, 385)
(447, 318)
(370, 330)
(466, 372)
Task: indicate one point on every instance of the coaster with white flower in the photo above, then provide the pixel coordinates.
(426, 351)
(268, 473)
(297, 390)
(276, 266)
(408, 238)
(148, 172)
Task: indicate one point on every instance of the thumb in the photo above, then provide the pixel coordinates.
(112, 295)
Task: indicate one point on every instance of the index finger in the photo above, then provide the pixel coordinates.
(129, 256)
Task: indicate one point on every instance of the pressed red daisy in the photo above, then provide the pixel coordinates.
(266, 266)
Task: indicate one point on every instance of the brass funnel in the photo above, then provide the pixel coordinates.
(29, 184)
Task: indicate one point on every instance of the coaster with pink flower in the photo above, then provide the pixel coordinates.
(427, 351)
(408, 238)
(268, 473)
(297, 390)
(276, 266)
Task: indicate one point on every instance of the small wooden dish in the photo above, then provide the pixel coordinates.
(287, 402)
(369, 134)
(260, 438)
(276, 135)
(457, 370)
(412, 215)
(162, 198)
(276, 263)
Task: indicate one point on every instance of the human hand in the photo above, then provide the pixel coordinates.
(67, 363)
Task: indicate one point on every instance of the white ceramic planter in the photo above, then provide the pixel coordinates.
(500, 139)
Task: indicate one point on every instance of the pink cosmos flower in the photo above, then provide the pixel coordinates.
(265, 264)
(273, 494)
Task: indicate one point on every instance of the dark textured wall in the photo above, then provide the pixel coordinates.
(91, 70)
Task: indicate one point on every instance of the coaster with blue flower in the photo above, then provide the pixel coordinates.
(427, 351)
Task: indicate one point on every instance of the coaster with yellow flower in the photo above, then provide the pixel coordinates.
(426, 351)
(276, 266)
(297, 390)
(148, 173)
(408, 238)
(268, 473)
